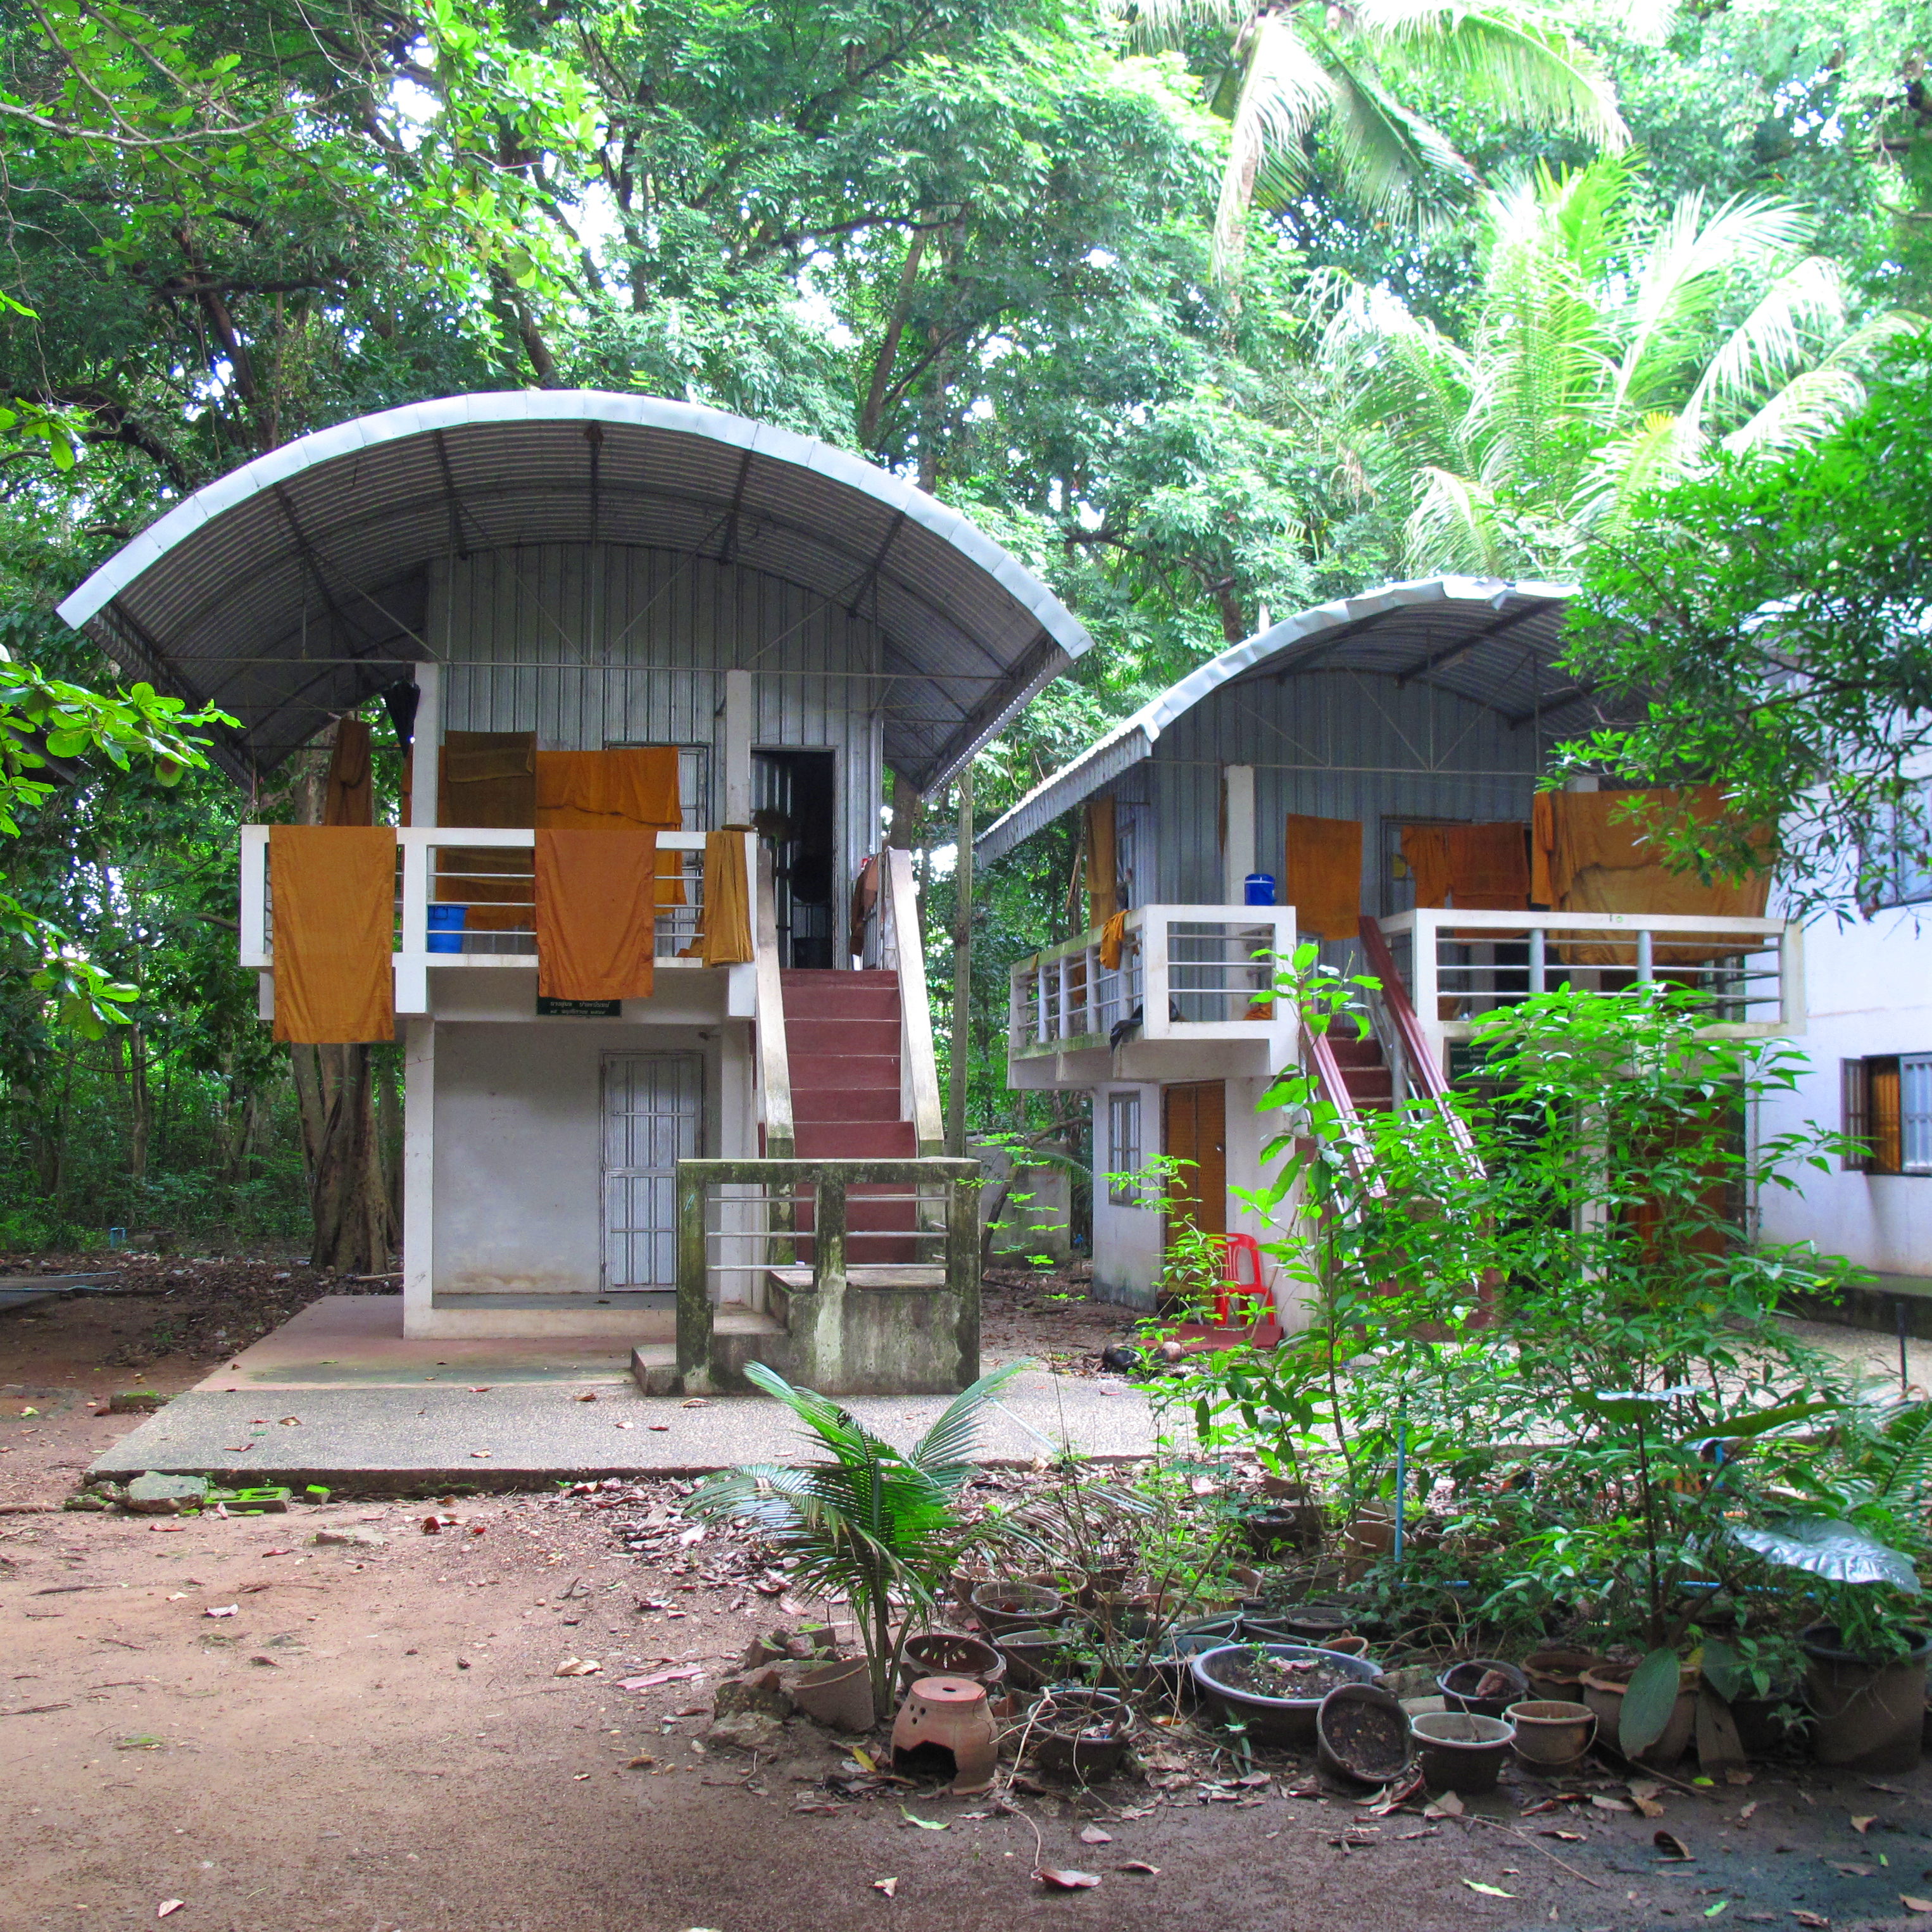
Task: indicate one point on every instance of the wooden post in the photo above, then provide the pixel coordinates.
(962, 973)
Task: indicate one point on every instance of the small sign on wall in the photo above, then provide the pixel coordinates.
(579, 1010)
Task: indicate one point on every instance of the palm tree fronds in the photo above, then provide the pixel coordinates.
(1526, 67)
(1808, 299)
(1283, 91)
(942, 1452)
(1455, 527)
(1164, 22)
(1390, 159)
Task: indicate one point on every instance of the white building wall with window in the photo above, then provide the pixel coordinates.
(1127, 1218)
(1869, 984)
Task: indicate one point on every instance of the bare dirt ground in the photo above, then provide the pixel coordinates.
(375, 1740)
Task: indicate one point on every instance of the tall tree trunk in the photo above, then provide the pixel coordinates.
(140, 1115)
(354, 1225)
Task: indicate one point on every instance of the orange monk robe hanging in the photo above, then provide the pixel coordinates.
(333, 892)
(628, 789)
(1324, 875)
(724, 920)
(596, 914)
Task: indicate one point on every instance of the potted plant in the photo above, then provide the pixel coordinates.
(1865, 1659)
(876, 1524)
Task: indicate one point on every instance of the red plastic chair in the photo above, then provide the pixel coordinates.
(1241, 1281)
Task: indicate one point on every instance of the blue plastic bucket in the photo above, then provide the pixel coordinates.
(445, 927)
(1260, 888)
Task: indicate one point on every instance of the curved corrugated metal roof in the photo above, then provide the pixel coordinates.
(331, 537)
(1484, 639)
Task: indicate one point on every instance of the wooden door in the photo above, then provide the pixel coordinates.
(1194, 1127)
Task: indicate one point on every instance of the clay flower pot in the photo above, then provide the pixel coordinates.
(1036, 1657)
(839, 1695)
(1556, 1675)
(1484, 1684)
(950, 1653)
(1075, 1585)
(1552, 1732)
(1869, 1714)
(1460, 1751)
(1604, 1689)
(948, 1715)
(1011, 1607)
(1362, 1733)
(1076, 1733)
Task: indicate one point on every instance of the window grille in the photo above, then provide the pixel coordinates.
(1123, 1149)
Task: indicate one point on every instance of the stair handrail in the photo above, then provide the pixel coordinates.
(919, 1067)
(774, 1058)
(1333, 1088)
(1425, 1070)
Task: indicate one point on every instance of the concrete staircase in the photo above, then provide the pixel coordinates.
(1365, 1070)
(842, 1038)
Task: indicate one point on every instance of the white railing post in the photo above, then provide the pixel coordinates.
(1791, 1009)
(413, 941)
(254, 913)
(1156, 937)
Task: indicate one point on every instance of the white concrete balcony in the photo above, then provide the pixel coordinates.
(1183, 1002)
(488, 871)
(1459, 966)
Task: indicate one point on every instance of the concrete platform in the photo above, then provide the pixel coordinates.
(336, 1396)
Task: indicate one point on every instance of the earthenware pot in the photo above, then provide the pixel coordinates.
(1552, 1732)
(1461, 1751)
(1484, 1684)
(949, 1715)
(1362, 1733)
(1603, 1689)
(1556, 1675)
(1868, 1715)
(1010, 1606)
(1037, 1657)
(837, 1694)
(1077, 1733)
(950, 1653)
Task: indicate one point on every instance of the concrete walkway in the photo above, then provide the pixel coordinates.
(336, 1396)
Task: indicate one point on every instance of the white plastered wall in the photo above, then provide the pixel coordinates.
(1868, 991)
(503, 1139)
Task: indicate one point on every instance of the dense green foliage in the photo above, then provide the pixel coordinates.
(1776, 618)
(974, 240)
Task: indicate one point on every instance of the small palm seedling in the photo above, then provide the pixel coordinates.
(876, 1524)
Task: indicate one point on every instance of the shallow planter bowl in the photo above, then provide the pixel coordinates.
(1272, 1720)
(1552, 1732)
(1461, 1751)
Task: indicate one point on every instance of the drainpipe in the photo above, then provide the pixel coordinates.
(962, 982)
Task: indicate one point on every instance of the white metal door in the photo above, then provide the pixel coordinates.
(653, 1118)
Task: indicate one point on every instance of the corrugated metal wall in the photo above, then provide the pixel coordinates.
(590, 645)
(1336, 745)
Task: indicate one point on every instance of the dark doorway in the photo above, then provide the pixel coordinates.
(796, 799)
